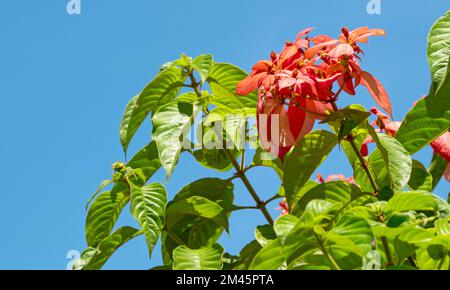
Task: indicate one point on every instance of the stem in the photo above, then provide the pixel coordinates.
(239, 172)
(387, 251)
(276, 196)
(351, 139)
(194, 84)
(237, 207)
(174, 237)
(259, 203)
(361, 159)
(242, 167)
(334, 264)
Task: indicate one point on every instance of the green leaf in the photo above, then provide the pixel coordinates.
(233, 122)
(437, 169)
(84, 259)
(420, 178)
(147, 207)
(355, 231)
(271, 257)
(144, 164)
(442, 227)
(439, 48)
(406, 201)
(170, 123)
(215, 159)
(102, 186)
(202, 64)
(214, 189)
(377, 166)
(435, 254)
(264, 234)
(409, 240)
(398, 161)
(197, 231)
(284, 225)
(212, 155)
(198, 259)
(439, 58)
(245, 257)
(223, 79)
(304, 160)
(196, 206)
(267, 159)
(437, 102)
(162, 89)
(107, 247)
(349, 241)
(104, 212)
(348, 118)
(248, 253)
(421, 127)
(335, 191)
(184, 61)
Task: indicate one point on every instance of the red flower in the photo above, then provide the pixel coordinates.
(295, 87)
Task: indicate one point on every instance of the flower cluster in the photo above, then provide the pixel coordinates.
(383, 124)
(295, 87)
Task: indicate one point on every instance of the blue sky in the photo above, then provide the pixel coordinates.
(66, 79)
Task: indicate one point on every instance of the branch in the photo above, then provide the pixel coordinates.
(351, 139)
(275, 197)
(387, 251)
(259, 203)
(334, 264)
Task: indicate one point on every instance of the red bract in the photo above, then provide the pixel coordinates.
(334, 177)
(283, 207)
(295, 87)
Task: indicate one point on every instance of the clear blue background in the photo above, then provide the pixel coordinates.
(64, 82)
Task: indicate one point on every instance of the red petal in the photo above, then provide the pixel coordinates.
(363, 37)
(250, 83)
(321, 39)
(442, 146)
(304, 32)
(447, 173)
(288, 52)
(342, 49)
(377, 91)
(286, 82)
(311, 52)
(262, 66)
(364, 150)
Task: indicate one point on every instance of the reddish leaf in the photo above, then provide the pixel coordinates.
(377, 91)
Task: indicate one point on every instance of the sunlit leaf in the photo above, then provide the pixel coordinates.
(147, 206)
(162, 89)
(199, 259)
(304, 160)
